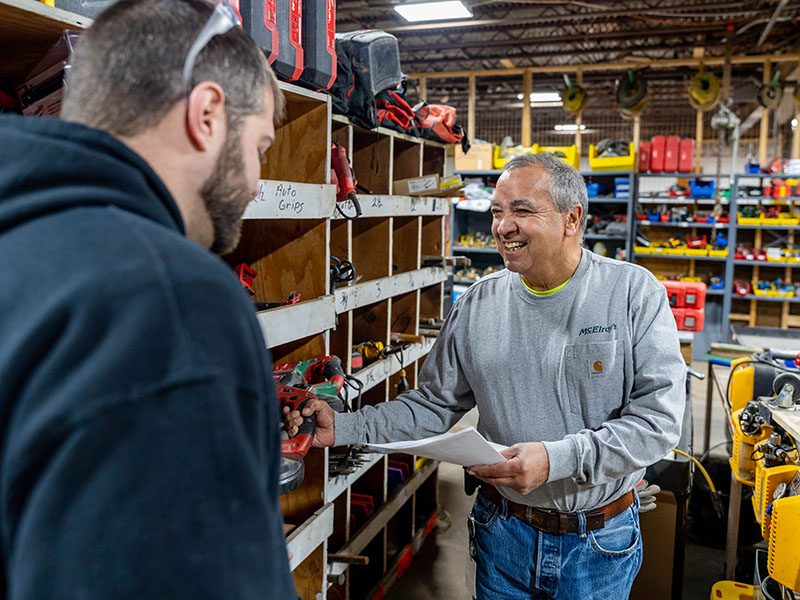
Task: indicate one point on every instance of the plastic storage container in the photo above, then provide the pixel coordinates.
(622, 187)
(644, 157)
(657, 149)
(570, 153)
(671, 153)
(702, 189)
(612, 163)
(686, 156)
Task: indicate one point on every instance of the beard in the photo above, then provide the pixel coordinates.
(226, 194)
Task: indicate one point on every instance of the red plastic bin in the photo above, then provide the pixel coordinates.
(686, 294)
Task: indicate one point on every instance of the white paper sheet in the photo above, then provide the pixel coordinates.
(466, 447)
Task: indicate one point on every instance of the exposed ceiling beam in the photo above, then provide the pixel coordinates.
(550, 40)
(771, 21)
(629, 64)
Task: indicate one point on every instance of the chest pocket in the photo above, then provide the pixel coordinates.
(595, 380)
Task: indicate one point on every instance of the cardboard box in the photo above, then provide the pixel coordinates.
(49, 106)
(425, 185)
(428, 185)
(479, 158)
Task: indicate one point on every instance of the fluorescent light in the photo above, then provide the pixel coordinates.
(569, 127)
(433, 11)
(539, 97)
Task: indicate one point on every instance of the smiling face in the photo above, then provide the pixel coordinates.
(534, 238)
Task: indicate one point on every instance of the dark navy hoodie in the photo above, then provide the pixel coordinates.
(138, 421)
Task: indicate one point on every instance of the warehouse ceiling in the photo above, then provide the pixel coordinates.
(530, 33)
(552, 33)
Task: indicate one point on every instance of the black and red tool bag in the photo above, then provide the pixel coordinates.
(394, 110)
(438, 122)
(319, 32)
(343, 85)
(374, 60)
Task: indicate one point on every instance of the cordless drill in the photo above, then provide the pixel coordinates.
(342, 175)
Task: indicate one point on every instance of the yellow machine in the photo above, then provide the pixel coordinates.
(765, 457)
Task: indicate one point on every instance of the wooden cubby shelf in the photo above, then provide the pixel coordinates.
(290, 232)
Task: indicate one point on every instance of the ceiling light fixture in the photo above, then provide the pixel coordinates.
(433, 11)
(539, 97)
(569, 127)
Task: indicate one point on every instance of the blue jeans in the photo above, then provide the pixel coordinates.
(514, 561)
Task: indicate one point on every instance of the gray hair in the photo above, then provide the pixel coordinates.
(567, 188)
(125, 75)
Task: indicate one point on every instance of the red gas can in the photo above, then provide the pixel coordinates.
(657, 153)
(671, 151)
(686, 158)
(644, 157)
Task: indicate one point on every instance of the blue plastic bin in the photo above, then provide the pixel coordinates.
(702, 189)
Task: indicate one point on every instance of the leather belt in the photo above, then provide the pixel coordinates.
(559, 523)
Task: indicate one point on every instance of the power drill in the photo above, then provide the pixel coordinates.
(342, 175)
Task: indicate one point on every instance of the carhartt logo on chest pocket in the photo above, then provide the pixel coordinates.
(596, 367)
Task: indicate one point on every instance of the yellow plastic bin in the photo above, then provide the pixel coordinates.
(748, 220)
(499, 161)
(721, 253)
(612, 163)
(642, 250)
(570, 153)
(732, 590)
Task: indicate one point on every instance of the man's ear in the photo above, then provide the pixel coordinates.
(572, 221)
(205, 115)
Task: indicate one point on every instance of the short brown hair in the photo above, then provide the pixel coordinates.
(126, 72)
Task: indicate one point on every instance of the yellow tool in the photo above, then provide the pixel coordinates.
(704, 91)
(765, 457)
(574, 98)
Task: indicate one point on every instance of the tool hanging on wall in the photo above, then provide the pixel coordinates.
(343, 177)
(342, 271)
(574, 97)
(631, 94)
(769, 94)
(704, 91)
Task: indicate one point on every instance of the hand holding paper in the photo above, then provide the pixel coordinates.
(466, 447)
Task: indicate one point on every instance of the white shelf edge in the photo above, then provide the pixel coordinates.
(289, 200)
(58, 15)
(289, 323)
(384, 205)
(337, 485)
(383, 369)
(307, 537)
(301, 91)
(369, 292)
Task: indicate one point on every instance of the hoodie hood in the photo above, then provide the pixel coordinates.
(48, 165)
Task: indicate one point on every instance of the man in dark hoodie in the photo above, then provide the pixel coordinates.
(138, 419)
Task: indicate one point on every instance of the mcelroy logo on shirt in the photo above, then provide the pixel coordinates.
(598, 329)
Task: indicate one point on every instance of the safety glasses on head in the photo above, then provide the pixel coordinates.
(222, 20)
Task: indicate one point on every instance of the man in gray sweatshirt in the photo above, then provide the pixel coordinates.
(573, 361)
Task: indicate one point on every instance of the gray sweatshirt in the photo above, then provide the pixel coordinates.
(594, 371)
